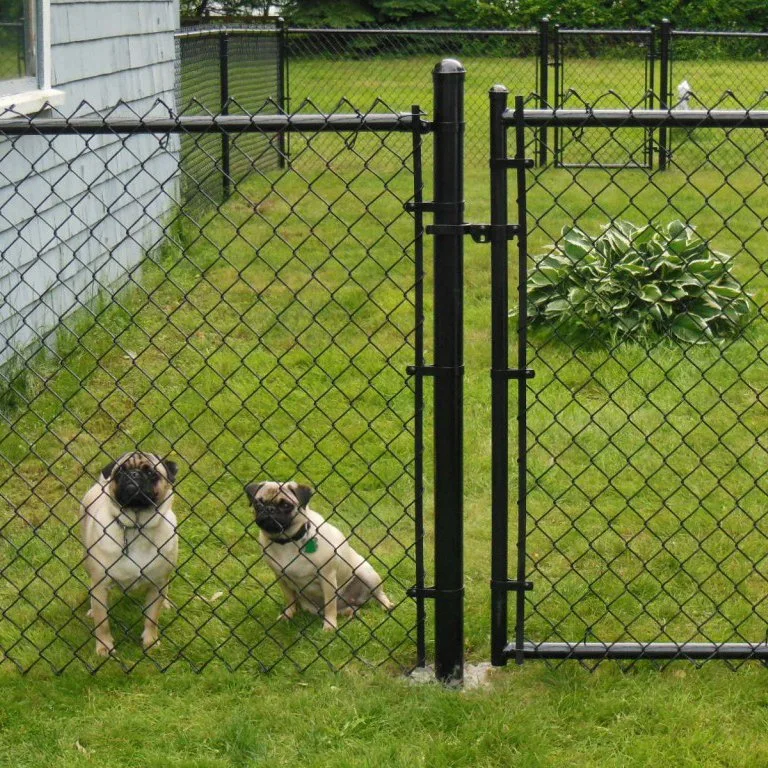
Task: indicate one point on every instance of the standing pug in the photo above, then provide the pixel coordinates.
(129, 533)
(316, 567)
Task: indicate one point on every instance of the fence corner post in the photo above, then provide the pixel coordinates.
(448, 111)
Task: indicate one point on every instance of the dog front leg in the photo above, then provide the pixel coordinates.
(330, 595)
(99, 612)
(155, 600)
(291, 600)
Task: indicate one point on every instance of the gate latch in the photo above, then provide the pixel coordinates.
(507, 585)
(480, 233)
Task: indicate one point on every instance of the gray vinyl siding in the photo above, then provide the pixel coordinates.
(77, 215)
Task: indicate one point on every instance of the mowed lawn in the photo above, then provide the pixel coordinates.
(201, 358)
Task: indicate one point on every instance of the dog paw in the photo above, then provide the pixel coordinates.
(105, 648)
(150, 640)
(288, 614)
(328, 627)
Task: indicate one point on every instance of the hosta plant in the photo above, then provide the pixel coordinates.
(635, 283)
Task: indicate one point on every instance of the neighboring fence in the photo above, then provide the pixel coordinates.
(648, 66)
(223, 71)
(266, 338)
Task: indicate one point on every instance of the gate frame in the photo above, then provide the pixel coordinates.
(521, 119)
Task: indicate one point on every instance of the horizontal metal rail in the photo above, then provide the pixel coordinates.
(626, 32)
(385, 122)
(641, 118)
(702, 33)
(641, 651)
(224, 29)
(419, 32)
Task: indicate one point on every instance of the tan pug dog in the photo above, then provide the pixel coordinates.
(316, 567)
(129, 533)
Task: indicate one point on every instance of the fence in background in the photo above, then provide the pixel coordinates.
(13, 61)
(564, 67)
(223, 72)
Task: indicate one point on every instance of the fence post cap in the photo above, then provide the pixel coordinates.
(498, 88)
(449, 67)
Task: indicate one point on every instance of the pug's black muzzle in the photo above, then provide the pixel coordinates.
(135, 490)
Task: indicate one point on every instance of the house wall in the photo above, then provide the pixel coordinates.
(79, 213)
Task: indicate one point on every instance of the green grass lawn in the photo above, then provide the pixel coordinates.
(249, 346)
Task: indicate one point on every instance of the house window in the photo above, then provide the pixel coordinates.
(25, 57)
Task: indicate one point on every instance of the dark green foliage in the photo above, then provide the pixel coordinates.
(636, 283)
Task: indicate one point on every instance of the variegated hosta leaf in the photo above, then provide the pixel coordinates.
(637, 283)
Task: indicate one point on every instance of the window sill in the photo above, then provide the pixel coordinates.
(29, 102)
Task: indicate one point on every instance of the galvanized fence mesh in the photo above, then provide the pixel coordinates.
(265, 337)
(646, 421)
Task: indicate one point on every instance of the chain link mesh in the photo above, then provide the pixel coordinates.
(646, 465)
(264, 337)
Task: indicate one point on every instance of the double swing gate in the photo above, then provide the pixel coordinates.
(279, 334)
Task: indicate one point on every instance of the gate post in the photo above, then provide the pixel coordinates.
(543, 85)
(499, 380)
(448, 80)
(282, 86)
(666, 29)
(224, 110)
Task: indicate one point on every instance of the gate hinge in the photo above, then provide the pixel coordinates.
(513, 373)
(507, 585)
(480, 233)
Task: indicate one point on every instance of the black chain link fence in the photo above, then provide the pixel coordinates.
(262, 338)
(13, 62)
(230, 70)
(646, 487)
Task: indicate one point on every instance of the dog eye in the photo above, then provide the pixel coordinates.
(286, 505)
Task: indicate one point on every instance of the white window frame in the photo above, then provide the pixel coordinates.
(29, 94)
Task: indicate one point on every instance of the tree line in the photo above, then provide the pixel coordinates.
(749, 15)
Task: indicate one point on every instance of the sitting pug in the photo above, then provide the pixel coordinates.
(129, 533)
(316, 567)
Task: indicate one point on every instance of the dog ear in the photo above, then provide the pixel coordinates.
(106, 472)
(303, 493)
(171, 469)
(253, 489)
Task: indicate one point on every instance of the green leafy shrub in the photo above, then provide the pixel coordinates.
(635, 283)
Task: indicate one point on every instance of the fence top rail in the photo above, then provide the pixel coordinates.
(224, 29)
(310, 123)
(641, 118)
(420, 32)
(625, 32)
(705, 33)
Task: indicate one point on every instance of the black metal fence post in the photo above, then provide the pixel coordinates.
(557, 93)
(224, 81)
(282, 85)
(543, 84)
(499, 380)
(448, 368)
(666, 30)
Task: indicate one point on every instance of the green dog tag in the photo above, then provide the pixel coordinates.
(311, 546)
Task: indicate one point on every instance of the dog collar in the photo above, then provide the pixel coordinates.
(300, 534)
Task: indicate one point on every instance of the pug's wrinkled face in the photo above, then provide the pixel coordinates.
(276, 505)
(140, 480)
